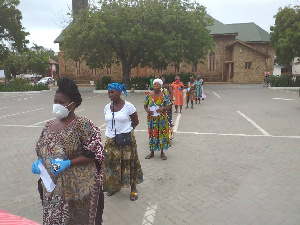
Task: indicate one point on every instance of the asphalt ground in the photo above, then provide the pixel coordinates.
(234, 158)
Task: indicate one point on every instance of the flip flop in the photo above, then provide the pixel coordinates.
(134, 196)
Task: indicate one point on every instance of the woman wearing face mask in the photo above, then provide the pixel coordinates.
(122, 167)
(156, 105)
(71, 151)
(178, 87)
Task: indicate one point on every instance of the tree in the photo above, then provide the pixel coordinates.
(12, 34)
(35, 60)
(285, 34)
(132, 32)
(16, 63)
(38, 58)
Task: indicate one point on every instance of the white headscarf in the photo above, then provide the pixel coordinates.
(157, 80)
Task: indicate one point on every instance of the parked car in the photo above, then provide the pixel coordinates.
(46, 80)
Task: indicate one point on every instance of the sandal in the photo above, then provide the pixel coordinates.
(163, 157)
(134, 196)
(149, 156)
(111, 193)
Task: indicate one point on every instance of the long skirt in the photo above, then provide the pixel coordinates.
(59, 211)
(121, 167)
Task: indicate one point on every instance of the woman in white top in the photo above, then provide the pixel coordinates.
(122, 167)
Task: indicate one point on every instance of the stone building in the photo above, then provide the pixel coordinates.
(241, 54)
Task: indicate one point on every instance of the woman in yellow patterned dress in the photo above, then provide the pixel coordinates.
(70, 149)
(156, 104)
(190, 92)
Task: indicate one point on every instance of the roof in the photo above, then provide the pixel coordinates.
(249, 32)
(249, 46)
(246, 32)
(52, 61)
(59, 38)
(220, 28)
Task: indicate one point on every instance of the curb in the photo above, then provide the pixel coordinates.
(25, 92)
(284, 88)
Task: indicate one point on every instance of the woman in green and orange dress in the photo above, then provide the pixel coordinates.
(156, 104)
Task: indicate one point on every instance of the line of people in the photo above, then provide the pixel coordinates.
(81, 168)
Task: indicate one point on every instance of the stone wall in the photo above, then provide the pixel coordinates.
(241, 55)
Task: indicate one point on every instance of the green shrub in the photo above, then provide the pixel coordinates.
(98, 85)
(284, 81)
(19, 84)
(105, 80)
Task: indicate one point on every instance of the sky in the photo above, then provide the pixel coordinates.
(45, 20)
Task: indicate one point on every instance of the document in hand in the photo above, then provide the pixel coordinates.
(47, 181)
(153, 109)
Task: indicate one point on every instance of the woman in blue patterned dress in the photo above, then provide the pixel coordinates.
(156, 104)
(198, 89)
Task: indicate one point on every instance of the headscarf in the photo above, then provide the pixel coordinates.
(157, 80)
(118, 87)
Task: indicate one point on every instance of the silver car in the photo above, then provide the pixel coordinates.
(46, 80)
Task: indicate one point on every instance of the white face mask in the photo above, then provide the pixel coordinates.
(60, 111)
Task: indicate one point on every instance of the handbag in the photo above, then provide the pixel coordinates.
(122, 139)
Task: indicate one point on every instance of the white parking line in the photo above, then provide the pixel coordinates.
(20, 113)
(239, 135)
(25, 126)
(254, 124)
(177, 122)
(182, 132)
(284, 99)
(216, 94)
(149, 215)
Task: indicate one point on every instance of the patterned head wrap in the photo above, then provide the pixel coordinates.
(157, 80)
(118, 87)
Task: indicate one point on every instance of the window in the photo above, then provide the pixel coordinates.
(212, 61)
(194, 69)
(247, 65)
(78, 71)
(159, 70)
(108, 70)
(176, 69)
(94, 72)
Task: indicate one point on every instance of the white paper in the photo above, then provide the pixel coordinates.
(49, 184)
(153, 109)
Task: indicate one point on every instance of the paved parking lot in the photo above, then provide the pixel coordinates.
(234, 159)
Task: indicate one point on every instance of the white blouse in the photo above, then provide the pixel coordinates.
(122, 119)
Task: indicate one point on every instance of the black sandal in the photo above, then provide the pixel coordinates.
(149, 156)
(163, 157)
(111, 193)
